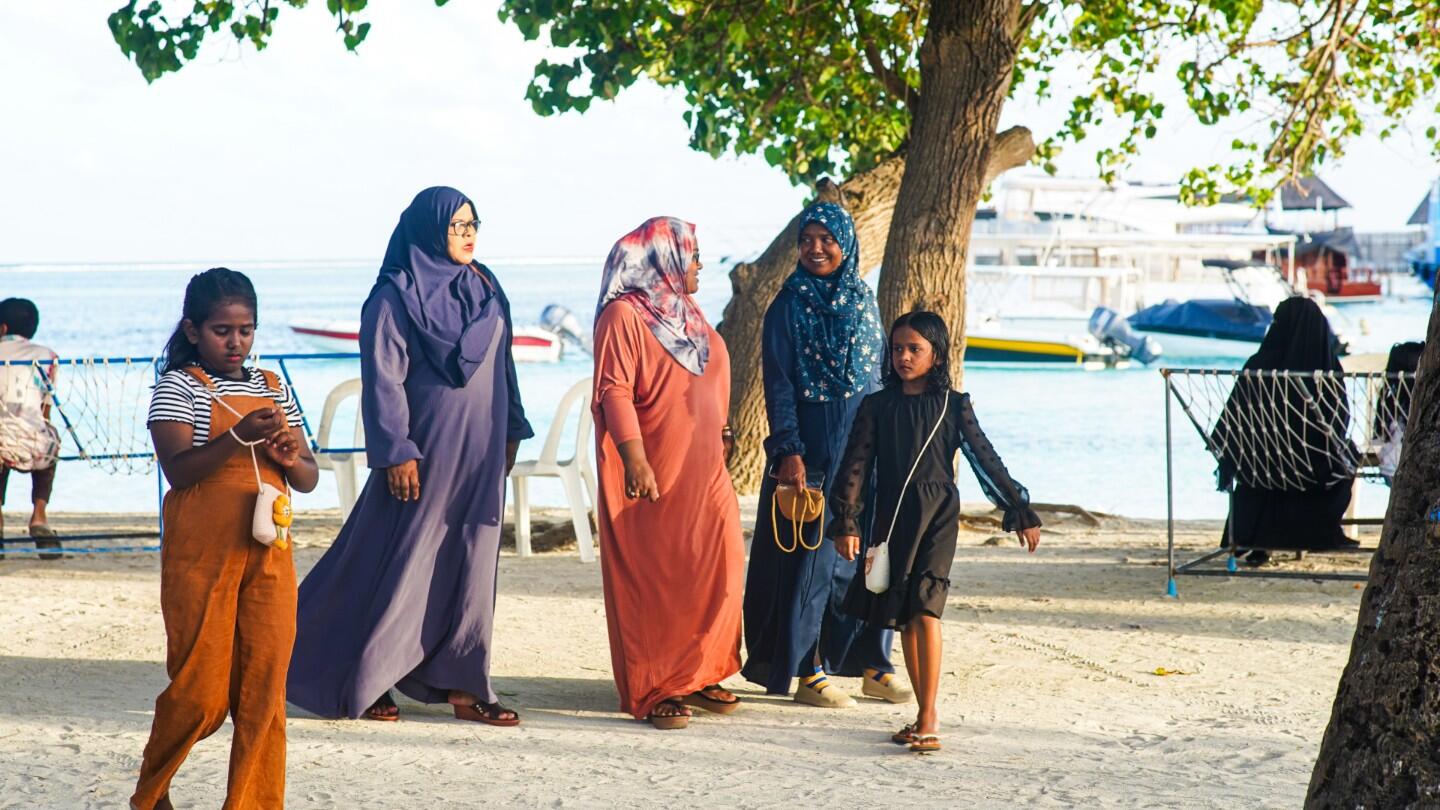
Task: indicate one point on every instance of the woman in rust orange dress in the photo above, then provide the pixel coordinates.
(671, 552)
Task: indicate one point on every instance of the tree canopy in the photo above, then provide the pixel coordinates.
(825, 87)
(820, 87)
(161, 43)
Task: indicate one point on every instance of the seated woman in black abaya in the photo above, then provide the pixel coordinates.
(1288, 462)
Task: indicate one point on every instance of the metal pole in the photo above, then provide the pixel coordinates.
(159, 485)
(304, 420)
(1170, 589)
(1231, 563)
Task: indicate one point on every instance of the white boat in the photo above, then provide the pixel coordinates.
(530, 344)
(1053, 281)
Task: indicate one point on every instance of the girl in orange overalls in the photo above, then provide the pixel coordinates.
(228, 600)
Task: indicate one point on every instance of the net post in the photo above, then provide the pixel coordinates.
(304, 419)
(159, 483)
(1170, 589)
(1230, 562)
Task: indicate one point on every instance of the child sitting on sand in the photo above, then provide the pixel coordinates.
(908, 432)
(28, 442)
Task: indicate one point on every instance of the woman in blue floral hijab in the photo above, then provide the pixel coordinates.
(822, 349)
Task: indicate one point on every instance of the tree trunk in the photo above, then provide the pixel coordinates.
(870, 199)
(966, 63)
(1380, 749)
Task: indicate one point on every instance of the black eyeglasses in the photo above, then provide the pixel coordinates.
(461, 227)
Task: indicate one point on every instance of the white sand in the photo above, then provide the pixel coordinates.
(1048, 696)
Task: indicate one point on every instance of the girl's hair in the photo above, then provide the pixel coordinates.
(931, 327)
(205, 292)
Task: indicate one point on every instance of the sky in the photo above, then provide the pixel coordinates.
(306, 151)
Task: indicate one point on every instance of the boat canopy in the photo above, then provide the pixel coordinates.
(1218, 318)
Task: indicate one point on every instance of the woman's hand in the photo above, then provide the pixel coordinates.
(727, 441)
(283, 449)
(791, 472)
(639, 478)
(848, 546)
(404, 480)
(511, 448)
(1029, 537)
(259, 424)
(640, 481)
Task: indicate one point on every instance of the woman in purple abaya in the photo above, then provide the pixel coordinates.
(405, 598)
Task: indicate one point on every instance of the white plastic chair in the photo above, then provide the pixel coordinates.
(576, 473)
(346, 466)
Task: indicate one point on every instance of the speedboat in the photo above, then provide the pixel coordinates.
(1204, 327)
(993, 341)
(529, 344)
(1211, 327)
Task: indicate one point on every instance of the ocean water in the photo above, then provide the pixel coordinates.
(1093, 438)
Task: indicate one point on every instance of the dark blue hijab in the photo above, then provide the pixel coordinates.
(836, 321)
(447, 302)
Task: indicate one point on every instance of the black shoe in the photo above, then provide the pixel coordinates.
(1257, 558)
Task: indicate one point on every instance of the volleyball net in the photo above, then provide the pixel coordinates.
(1286, 432)
(97, 408)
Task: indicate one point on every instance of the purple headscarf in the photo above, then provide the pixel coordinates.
(446, 301)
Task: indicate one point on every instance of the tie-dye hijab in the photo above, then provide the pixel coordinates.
(836, 320)
(647, 268)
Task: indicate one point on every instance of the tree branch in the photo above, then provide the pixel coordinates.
(1029, 13)
(1009, 149)
(892, 81)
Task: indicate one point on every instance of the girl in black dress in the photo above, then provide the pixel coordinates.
(903, 442)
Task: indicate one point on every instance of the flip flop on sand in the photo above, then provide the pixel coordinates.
(680, 718)
(905, 735)
(383, 709)
(700, 700)
(45, 537)
(925, 743)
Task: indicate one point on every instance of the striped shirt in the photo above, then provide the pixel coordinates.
(179, 397)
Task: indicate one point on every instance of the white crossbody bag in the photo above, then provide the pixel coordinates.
(877, 571)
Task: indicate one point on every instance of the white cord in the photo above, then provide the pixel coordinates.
(943, 408)
(254, 462)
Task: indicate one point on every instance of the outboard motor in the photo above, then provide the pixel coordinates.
(563, 322)
(1112, 330)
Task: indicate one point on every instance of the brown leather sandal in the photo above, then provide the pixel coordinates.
(491, 714)
(905, 735)
(666, 722)
(700, 700)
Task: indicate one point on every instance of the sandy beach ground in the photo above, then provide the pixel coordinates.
(1049, 694)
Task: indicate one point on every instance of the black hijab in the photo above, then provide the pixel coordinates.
(1299, 339)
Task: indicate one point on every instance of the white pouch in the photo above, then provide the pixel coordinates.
(877, 568)
(877, 559)
(270, 523)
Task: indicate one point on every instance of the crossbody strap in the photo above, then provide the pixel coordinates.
(913, 467)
